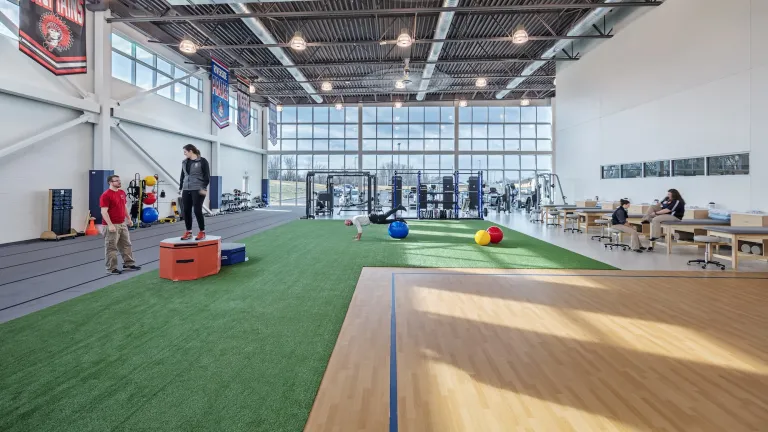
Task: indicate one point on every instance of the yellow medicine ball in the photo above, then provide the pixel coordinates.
(482, 238)
(150, 180)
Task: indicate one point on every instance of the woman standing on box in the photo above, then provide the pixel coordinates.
(195, 176)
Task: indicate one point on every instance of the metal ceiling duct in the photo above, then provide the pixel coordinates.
(441, 31)
(580, 28)
(209, 2)
(265, 36)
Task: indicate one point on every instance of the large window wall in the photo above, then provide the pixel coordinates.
(10, 10)
(509, 144)
(133, 64)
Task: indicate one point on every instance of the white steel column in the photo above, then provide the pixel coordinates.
(102, 86)
(216, 158)
(359, 138)
(456, 136)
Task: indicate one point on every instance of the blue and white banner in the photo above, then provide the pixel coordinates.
(243, 106)
(219, 93)
(272, 124)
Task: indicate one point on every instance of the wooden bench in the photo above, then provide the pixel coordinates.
(737, 234)
(588, 218)
(696, 227)
(563, 212)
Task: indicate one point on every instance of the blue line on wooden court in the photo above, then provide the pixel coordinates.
(393, 363)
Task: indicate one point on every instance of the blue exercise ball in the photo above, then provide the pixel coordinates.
(398, 230)
(149, 215)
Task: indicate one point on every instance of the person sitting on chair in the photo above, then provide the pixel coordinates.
(382, 219)
(619, 222)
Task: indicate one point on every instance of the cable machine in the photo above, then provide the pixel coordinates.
(448, 206)
(546, 185)
(328, 196)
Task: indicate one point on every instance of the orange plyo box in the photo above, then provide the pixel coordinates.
(182, 260)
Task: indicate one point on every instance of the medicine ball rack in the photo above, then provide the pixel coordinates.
(453, 207)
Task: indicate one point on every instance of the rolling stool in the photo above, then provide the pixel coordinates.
(554, 213)
(573, 220)
(604, 223)
(617, 233)
(709, 241)
(535, 216)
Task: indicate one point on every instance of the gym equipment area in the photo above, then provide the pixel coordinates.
(539, 215)
(350, 199)
(446, 203)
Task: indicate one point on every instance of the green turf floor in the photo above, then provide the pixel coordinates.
(241, 351)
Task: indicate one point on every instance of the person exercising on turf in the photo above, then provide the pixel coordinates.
(382, 219)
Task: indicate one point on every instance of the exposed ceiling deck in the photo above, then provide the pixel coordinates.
(351, 44)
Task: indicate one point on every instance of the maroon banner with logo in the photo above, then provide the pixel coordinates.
(52, 32)
(243, 106)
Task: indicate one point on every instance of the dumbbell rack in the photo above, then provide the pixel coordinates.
(245, 201)
(59, 215)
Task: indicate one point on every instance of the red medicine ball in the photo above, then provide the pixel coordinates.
(496, 234)
(150, 198)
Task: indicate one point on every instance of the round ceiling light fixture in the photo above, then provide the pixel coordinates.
(279, 108)
(339, 106)
(251, 89)
(187, 47)
(404, 40)
(520, 35)
(298, 42)
(481, 82)
(400, 84)
(463, 103)
(525, 102)
(398, 104)
(326, 86)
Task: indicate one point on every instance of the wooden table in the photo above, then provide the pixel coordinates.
(563, 212)
(736, 234)
(670, 229)
(588, 218)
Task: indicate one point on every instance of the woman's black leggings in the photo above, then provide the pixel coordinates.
(190, 199)
(382, 218)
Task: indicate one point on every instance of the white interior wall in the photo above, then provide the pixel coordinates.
(239, 164)
(665, 88)
(163, 147)
(64, 160)
(60, 162)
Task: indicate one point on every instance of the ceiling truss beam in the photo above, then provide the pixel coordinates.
(364, 79)
(531, 8)
(398, 63)
(364, 91)
(393, 42)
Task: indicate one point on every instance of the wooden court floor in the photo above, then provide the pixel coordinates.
(526, 350)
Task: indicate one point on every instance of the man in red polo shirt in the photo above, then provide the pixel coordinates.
(115, 216)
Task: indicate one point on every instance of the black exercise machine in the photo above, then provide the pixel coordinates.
(328, 194)
(431, 204)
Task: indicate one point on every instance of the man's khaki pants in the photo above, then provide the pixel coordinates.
(118, 241)
(635, 237)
